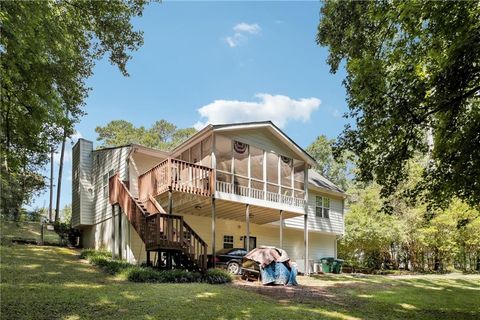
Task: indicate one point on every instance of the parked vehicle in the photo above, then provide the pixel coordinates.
(231, 259)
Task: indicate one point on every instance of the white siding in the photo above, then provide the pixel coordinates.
(334, 224)
(82, 191)
(103, 162)
(106, 235)
(138, 164)
(260, 138)
(320, 245)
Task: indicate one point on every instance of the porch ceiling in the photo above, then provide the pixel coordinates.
(202, 206)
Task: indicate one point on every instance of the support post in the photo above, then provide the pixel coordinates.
(247, 218)
(305, 221)
(170, 201)
(119, 233)
(113, 231)
(149, 262)
(214, 256)
(305, 239)
(281, 229)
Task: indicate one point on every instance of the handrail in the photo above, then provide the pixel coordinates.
(158, 230)
(176, 175)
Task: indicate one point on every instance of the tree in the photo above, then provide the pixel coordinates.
(334, 169)
(163, 135)
(48, 49)
(412, 68)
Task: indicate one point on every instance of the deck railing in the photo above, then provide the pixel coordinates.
(173, 233)
(178, 175)
(158, 230)
(227, 187)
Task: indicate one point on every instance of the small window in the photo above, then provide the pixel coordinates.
(227, 242)
(322, 207)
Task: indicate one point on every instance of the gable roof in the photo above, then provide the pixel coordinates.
(251, 125)
(316, 180)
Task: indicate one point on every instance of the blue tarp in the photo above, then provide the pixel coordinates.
(279, 273)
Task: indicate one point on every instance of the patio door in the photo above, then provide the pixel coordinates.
(253, 242)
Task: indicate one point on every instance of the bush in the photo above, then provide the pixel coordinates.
(143, 274)
(104, 260)
(217, 276)
(88, 253)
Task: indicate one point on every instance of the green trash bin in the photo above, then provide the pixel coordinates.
(327, 264)
(337, 265)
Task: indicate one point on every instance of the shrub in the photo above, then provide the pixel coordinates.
(143, 274)
(217, 276)
(181, 276)
(88, 253)
(104, 260)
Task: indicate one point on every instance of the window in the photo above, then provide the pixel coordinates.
(322, 207)
(227, 242)
(105, 181)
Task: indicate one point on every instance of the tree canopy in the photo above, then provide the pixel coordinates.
(334, 169)
(413, 87)
(162, 135)
(48, 49)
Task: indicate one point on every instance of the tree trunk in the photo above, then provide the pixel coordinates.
(50, 207)
(60, 171)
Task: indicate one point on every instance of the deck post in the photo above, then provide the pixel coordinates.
(119, 214)
(170, 200)
(247, 218)
(214, 256)
(149, 262)
(305, 221)
(281, 229)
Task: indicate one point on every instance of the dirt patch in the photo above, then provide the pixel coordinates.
(299, 294)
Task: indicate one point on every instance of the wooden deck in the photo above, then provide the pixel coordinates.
(158, 230)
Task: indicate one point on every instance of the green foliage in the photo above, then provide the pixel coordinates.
(48, 49)
(163, 135)
(41, 282)
(91, 253)
(335, 169)
(217, 276)
(145, 274)
(104, 260)
(412, 235)
(413, 72)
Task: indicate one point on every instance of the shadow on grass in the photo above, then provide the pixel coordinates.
(51, 283)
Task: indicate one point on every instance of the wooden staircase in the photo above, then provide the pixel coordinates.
(173, 241)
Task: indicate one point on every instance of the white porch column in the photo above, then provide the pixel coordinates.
(247, 218)
(305, 221)
(213, 233)
(281, 229)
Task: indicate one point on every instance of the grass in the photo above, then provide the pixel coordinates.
(41, 282)
(27, 231)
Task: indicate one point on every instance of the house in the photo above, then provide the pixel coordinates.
(233, 185)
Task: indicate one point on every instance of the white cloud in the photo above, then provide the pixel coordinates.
(241, 31)
(279, 109)
(248, 28)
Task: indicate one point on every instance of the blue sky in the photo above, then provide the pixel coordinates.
(251, 60)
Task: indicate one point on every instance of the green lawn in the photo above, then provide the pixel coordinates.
(52, 283)
(27, 231)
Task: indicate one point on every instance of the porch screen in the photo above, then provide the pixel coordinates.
(272, 168)
(240, 156)
(195, 153)
(256, 163)
(223, 151)
(207, 152)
